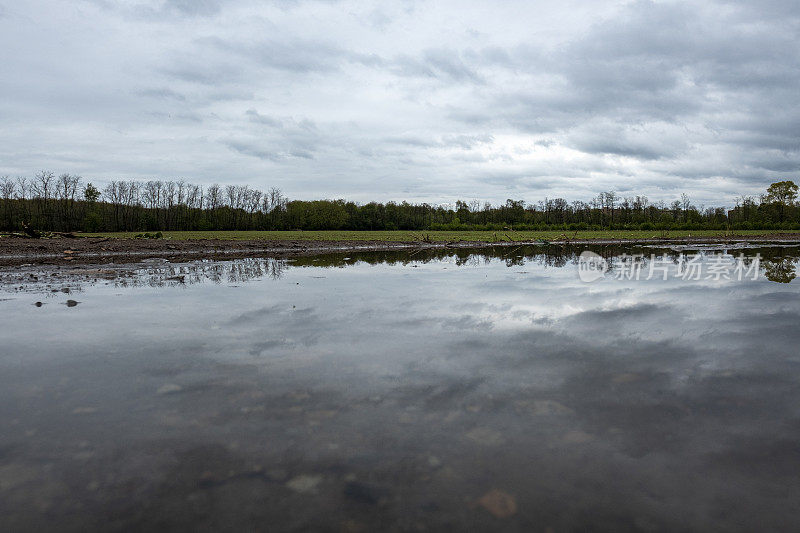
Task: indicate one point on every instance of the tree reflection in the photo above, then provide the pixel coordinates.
(780, 270)
(777, 263)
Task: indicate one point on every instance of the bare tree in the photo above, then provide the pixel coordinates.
(42, 189)
(66, 189)
(214, 196)
(152, 194)
(7, 189)
(276, 199)
(685, 204)
(43, 184)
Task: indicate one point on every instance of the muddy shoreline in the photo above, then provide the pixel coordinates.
(16, 252)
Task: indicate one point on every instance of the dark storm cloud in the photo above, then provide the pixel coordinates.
(379, 102)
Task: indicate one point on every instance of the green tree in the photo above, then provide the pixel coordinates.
(93, 220)
(91, 194)
(782, 193)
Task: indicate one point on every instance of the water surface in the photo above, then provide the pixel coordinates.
(477, 390)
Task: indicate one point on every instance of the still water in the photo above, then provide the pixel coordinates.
(450, 390)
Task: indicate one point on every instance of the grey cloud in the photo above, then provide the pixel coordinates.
(258, 118)
(252, 150)
(158, 10)
(785, 11)
(162, 93)
(406, 140)
(778, 163)
(654, 142)
(440, 64)
(652, 97)
(193, 7)
(205, 73)
(292, 55)
(521, 181)
(179, 117)
(288, 138)
(660, 62)
(304, 154)
(465, 142)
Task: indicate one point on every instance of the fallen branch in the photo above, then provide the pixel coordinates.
(30, 232)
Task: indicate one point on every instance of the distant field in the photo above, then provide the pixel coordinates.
(442, 236)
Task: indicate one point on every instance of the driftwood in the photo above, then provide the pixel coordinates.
(30, 232)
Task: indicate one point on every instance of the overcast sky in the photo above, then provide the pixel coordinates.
(423, 101)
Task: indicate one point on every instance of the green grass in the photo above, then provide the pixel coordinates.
(442, 236)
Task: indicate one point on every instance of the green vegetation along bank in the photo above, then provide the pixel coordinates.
(448, 236)
(65, 204)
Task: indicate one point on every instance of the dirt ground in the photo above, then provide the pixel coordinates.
(18, 251)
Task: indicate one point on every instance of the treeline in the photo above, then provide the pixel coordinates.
(65, 203)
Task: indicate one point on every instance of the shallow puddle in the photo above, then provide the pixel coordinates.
(429, 390)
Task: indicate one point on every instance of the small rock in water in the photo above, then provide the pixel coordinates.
(304, 483)
(500, 504)
(169, 388)
(71, 303)
(38, 304)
